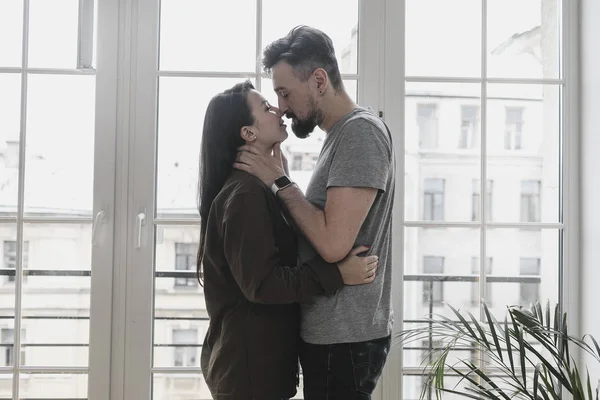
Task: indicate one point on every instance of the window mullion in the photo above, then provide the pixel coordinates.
(21, 199)
(392, 86)
(259, 27)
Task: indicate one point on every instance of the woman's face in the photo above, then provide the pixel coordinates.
(268, 128)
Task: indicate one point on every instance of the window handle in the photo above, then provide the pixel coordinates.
(101, 218)
(140, 222)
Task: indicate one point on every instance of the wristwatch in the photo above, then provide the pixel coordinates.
(280, 183)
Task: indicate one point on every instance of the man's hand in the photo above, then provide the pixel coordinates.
(267, 168)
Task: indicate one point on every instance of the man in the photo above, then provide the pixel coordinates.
(346, 337)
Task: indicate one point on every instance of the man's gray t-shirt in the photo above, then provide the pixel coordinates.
(357, 152)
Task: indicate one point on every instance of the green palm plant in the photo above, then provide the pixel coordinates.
(528, 356)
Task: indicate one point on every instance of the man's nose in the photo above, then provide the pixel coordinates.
(283, 108)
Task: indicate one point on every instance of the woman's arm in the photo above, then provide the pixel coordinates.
(250, 250)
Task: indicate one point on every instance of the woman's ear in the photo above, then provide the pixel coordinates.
(247, 134)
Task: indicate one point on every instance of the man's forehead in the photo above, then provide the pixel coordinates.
(282, 74)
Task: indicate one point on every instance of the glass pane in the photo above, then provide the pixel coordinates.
(56, 294)
(180, 386)
(182, 104)
(11, 32)
(525, 268)
(524, 38)
(442, 147)
(438, 272)
(8, 244)
(199, 35)
(437, 45)
(10, 103)
(52, 44)
(302, 154)
(6, 386)
(338, 19)
(523, 151)
(412, 386)
(53, 386)
(180, 316)
(55, 340)
(60, 135)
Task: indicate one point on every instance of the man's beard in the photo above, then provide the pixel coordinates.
(302, 128)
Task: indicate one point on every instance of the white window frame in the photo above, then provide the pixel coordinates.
(381, 86)
(476, 200)
(98, 369)
(140, 223)
(394, 110)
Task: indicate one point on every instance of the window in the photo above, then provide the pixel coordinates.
(432, 349)
(10, 258)
(185, 260)
(469, 127)
(530, 201)
(297, 162)
(185, 344)
(428, 126)
(8, 340)
(475, 292)
(433, 200)
(476, 202)
(433, 290)
(529, 292)
(514, 128)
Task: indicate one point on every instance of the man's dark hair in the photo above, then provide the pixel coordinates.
(305, 49)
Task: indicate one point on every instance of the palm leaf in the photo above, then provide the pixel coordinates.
(508, 345)
(589, 386)
(493, 330)
(521, 341)
(536, 378)
(534, 336)
(464, 322)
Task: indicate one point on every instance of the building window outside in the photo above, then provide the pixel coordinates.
(513, 139)
(530, 201)
(433, 291)
(185, 356)
(10, 258)
(529, 293)
(185, 260)
(469, 127)
(433, 200)
(427, 122)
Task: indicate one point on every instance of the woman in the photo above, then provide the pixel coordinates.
(248, 253)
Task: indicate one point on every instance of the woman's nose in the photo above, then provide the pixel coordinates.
(277, 111)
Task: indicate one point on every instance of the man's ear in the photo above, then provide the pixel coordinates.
(321, 79)
(247, 134)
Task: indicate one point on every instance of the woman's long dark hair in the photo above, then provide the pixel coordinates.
(226, 114)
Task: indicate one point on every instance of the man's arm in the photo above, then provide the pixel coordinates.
(359, 170)
(332, 231)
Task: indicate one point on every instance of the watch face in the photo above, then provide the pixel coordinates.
(283, 181)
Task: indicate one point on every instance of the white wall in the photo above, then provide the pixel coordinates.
(590, 165)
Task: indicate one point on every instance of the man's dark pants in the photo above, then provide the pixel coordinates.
(343, 371)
